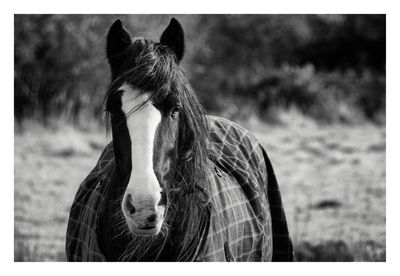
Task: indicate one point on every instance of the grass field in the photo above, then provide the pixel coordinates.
(332, 180)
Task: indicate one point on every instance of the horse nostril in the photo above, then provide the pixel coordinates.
(129, 206)
(163, 199)
(152, 218)
(132, 210)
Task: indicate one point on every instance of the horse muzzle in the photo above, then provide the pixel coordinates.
(144, 217)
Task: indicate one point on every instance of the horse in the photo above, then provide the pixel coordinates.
(175, 184)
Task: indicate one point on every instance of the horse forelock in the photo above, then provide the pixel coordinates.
(150, 66)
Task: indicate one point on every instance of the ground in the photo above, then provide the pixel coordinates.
(332, 180)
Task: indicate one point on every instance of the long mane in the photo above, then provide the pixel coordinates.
(150, 66)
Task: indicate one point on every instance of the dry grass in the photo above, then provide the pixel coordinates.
(332, 180)
(49, 166)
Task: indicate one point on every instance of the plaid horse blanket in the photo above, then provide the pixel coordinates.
(247, 220)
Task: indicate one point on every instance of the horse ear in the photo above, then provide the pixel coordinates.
(173, 37)
(118, 39)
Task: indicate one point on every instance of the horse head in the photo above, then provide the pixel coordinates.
(158, 127)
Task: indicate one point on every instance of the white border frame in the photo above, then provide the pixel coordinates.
(205, 6)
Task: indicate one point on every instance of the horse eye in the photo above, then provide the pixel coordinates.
(175, 111)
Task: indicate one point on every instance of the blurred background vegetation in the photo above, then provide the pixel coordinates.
(328, 67)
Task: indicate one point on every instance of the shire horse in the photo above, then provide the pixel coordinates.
(174, 184)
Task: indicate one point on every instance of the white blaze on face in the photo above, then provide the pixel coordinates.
(142, 125)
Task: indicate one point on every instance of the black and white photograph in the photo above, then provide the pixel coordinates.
(199, 137)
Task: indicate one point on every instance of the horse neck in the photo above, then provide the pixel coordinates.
(190, 226)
